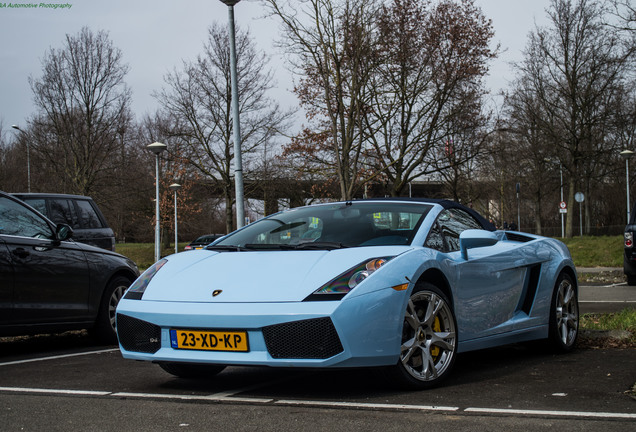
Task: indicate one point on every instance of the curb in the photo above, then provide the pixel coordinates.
(598, 269)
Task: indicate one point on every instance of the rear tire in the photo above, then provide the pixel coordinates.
(191, 370)
(564, 315)
(429, 340)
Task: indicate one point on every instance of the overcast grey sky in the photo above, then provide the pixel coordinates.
(156, 35)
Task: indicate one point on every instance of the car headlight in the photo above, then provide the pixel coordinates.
(136, 290)
(339, 287)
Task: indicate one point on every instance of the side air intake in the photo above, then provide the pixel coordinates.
(307, 339)
(137, 335)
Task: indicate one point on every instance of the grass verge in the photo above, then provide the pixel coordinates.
(602, 251)
(143, 254)
(613, 330)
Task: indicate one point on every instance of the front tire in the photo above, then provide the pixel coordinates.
(429, 340)
(105, 326)
(564, 315)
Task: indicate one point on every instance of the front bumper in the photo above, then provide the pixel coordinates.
(361, 331)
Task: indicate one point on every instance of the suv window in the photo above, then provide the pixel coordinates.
(38, 204)
(87, 216)
(17, 220)
(63, 211)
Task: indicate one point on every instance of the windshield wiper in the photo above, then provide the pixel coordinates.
(225, 248)
(259, 246)
(325, 245)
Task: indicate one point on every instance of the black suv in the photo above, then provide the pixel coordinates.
(629, 257)
(80, 212)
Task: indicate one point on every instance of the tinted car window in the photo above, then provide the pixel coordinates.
(38, 204)
(435, 239)
(87, 216)
(63, 211)
(452, 222)
(17, 220)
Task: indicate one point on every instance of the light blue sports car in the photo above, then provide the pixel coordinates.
(396, 283)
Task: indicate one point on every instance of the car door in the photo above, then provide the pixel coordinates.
(51, 278)
(488, 286)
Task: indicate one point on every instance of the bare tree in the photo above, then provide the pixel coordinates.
(625, 12)
(427, 91)
(331, 46)
(198, 98)
(13, 177)
(575, 69)
(82, 106)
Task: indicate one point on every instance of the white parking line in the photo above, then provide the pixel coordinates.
(326, 404)
(551, 413)
(329, 404)
(604, 286)
(214, 397)
(271, 383)
(57, 357)
(55, 391)
(608, 301)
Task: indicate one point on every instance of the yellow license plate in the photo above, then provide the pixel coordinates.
(209, 340)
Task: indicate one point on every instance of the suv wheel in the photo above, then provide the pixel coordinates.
(105, 326)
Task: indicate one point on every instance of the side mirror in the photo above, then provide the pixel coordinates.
(475, 238)
(63, 232)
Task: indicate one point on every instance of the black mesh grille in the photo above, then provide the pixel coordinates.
(308, 339)
(137, 335)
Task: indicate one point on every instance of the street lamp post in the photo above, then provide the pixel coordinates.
(627, 154)
(175, 187)
(238, 162)
(28, 157)
(157, 148)
(562, 214)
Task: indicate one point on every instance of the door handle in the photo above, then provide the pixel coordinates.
(21, 253)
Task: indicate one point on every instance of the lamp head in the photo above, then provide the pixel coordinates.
(157, 147)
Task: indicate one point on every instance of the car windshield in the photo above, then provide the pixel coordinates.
(331, 226)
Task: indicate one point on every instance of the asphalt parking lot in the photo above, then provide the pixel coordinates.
(67, 383)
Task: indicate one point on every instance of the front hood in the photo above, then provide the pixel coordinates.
(259, 276)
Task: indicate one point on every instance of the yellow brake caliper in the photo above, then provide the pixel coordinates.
(435, 350)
